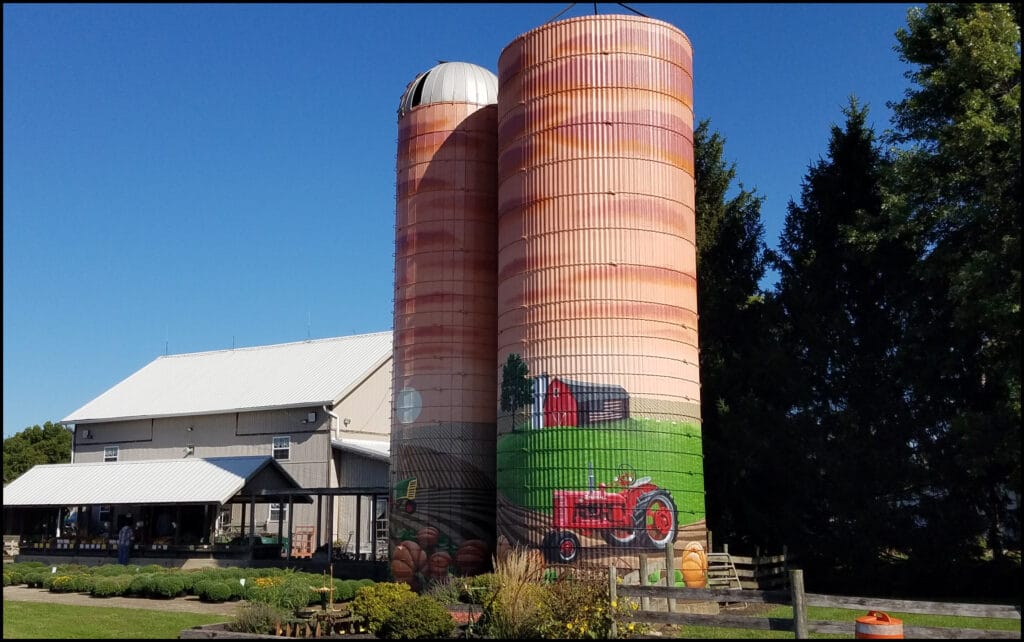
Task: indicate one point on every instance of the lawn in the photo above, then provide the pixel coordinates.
(845, 615)
(32, 620)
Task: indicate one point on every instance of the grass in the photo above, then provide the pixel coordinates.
(32, 620)
(845, 615)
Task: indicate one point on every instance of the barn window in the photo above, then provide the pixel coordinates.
(110, 453)
(278, 512)
(282, 447)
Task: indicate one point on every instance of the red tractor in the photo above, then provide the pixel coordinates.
(638, 514)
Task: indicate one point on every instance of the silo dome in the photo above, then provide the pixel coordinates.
(460, 82)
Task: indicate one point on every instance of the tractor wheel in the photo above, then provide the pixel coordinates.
(620, 536)
(561, 547)
(654, 519)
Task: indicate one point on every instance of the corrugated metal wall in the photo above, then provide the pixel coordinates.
(597, 291)
(442, 439)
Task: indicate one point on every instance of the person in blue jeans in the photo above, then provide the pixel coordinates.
(125, 537)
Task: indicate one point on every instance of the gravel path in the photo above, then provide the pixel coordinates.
(187, 604)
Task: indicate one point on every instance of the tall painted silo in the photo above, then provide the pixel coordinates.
(599, 454)
(443, 420)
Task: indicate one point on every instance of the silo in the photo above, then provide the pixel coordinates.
(599, 453)
(443, 419)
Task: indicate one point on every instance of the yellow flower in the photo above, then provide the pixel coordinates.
(568, 625)
(631, 626)
(615, 604)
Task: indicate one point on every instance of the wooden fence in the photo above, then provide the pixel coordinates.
(799, 600)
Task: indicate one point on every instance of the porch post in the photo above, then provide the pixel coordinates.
(359, 521)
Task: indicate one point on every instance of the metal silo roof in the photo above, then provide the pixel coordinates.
(459, 82)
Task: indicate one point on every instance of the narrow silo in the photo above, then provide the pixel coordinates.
(599, 451)
(443, 420)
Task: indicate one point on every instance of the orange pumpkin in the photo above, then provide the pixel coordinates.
(410, 553)
(439, 563)
(471, 557)
(694, 565)
(427, 537)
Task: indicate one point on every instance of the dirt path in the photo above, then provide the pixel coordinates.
(187, 604)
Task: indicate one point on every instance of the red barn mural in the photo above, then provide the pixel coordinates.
(575, 403)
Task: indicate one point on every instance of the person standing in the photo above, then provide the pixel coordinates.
(125, 537)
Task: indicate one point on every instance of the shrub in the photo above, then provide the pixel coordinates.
(417, 618)
(238, 590)
(17, 576)
(141, 585)
(293, 596)
(109, 587)
(479, 589)
(152, 568)
(83, 583)
(214, 591)
(518, 609)
(373, 604)
(34, 579)
(167, 586)
(256, 617)
(344, 590)
(446, 591)
(7, 579)
(63, 584)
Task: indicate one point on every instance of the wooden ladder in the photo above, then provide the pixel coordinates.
(722, 572)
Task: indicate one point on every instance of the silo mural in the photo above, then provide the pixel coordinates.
(443, 421)
(599, 451)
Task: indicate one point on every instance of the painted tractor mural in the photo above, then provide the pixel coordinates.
(639, 514)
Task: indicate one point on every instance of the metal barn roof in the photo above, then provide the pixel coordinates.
(460, 82)
(163, 481)
(287, 375)
(373, 449)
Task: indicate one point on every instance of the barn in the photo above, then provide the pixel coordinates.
(578, 403)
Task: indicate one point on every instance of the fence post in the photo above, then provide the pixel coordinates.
(711, 548)
(670, 572)
(796, 591)
(613, 630)
(645, 602)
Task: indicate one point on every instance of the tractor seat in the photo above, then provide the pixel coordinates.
(640, 482)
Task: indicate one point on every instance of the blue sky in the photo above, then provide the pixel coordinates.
(181, 178)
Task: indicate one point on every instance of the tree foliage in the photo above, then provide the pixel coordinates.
(840, 290)
(49, 444)
(955, 189)
(735, 346)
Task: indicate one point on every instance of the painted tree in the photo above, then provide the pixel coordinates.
(516, 387)
(956, 188)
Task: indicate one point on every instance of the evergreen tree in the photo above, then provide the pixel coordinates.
(956, 188)
(840, 291)
(734, 357)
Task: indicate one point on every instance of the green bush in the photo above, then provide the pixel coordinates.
(167, 586)
(417, 618)
(373, 604)
(479, 589)
(48, 580)
(17, 577)
(141, 584)
(294, 596)
(256, 617)
(34, 579)
(7, 579)
(238, 590)
(344, 590)
(63, 584)
(152, 568)
(214, 591)
(84, 582)
(109, 586)
(447, 591)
